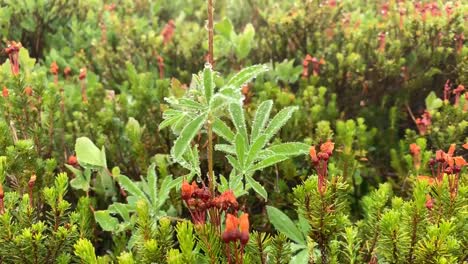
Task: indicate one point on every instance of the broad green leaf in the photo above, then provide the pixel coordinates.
(106, 221)
(225, 28)
(121, 209)
(258, 188)
(285, 225)
(237, 116)
(301, 258)
(290, 149)
(245, 41)
(80, 182)
(279, 121)
(245, 75)
(268, 162)
(240, 149)
(221, 129)
(187, 134)
(261, 118)
(255, 150)
(208, 82)
(433, 102)
(88, 154)
(131, 187)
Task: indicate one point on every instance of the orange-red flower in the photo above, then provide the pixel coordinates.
(28, 91)
(244, 228)
(313, 154)
(231, 231)
(5, 92)
(427, 179)
(414, 149)
(327, 147)
(187, 190)
(54, 69)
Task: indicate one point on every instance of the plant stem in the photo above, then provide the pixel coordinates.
(210, 32)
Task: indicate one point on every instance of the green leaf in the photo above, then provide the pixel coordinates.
(88, 154)
(152, 182)
(256, 186)
(285, 225)
(290, 149)
(244, 42)
(190, 104)
(268, 162)
(301, 258)
(237, 116)
(234, 163)
(166, 187)
(255, 150)
(229, 149)
(221, 129)
(106, 221)
(433, 102)
(187, 134)
(261, 118)
(279, 121)
(131, 187)
(225, 28)
(240, 149)
(208, 82)
(245, 75)
(121, 209)
(80, 182)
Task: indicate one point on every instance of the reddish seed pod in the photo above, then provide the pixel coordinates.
(191, 202)
(323, 156)
(244, 238)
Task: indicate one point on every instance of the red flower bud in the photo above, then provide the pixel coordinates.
(28, 91)
(327, 147)
(244, 228)
(5, 92)
(313, 154)
(72, 160)
(187, 190)
(54, 68)
(83, 73)
(67, 71)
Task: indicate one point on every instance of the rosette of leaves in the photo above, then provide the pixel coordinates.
(204, 106)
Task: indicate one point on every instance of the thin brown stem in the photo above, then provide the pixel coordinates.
(210, 32)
